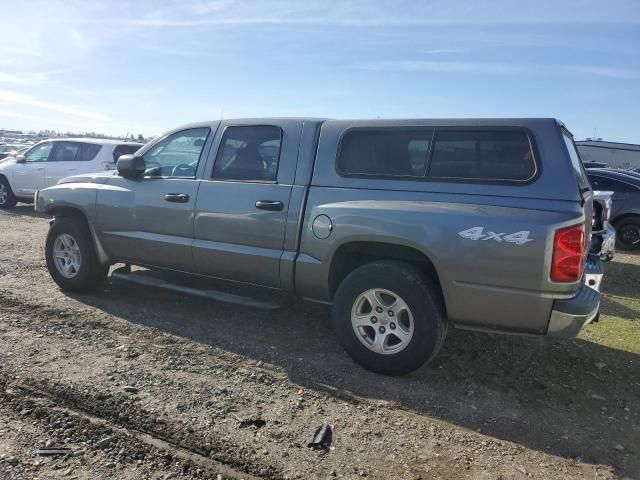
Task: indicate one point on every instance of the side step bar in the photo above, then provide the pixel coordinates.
(125, 274)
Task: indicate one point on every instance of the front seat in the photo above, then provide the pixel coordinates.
(248, 165)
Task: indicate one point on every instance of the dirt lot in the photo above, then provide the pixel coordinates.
(140, 383)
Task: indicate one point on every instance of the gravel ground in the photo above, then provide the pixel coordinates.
(140, 383)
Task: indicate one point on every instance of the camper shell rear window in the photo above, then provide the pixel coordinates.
(427, 153)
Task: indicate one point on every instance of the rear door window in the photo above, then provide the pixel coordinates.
(65, 152)
(249, 153)
(88, 151)
(389, 152)
(502, 155)
(75, 152)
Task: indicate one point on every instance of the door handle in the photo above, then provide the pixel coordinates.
(271, 205)
(40, 168)
(177, 197)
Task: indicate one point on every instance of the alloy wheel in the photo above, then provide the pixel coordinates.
(66, 255)
(382, 321)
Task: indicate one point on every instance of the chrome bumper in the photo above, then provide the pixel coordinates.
(603, 244)
(570, 315)
(594, 272)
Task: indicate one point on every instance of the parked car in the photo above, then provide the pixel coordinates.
(7, 150)
(625, 215)
(603, 234)
(404, 226)
(47, 162)
(13, 151)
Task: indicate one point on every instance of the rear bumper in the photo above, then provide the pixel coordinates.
(570, 315)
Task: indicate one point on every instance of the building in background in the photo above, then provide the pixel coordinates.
(614, 154)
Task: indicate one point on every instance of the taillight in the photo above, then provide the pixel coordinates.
(568, 254)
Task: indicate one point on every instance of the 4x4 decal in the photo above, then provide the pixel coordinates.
(478, 233)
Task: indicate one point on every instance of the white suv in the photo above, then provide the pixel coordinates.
(47, 162)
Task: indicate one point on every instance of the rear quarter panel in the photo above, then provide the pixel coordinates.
(486, 282)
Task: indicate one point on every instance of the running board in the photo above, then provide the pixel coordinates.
(219, 296)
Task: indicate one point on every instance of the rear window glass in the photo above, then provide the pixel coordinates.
(578, 168)
(482, 155)
(65, 152)
(249, 153)
(75, 152)
(88, 151)
(124, 150)
(386, 152)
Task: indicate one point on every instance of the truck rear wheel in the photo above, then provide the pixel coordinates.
(7, 198)
(71, 258)
(389, 317)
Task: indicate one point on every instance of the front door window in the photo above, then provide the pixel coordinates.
(39, 153)
(177, 155)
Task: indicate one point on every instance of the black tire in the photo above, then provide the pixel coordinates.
(91, 273)
(420, 295)
(628, 233)
(7, 198)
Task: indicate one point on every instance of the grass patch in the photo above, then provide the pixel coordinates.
(619, 325)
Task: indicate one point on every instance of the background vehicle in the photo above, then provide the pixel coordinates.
(603, 234)
(8, 150)
(625, 215)
(404, 226)
(44, 164)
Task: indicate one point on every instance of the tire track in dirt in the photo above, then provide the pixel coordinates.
(44, 401)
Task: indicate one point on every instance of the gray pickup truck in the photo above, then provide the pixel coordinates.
(403, 226)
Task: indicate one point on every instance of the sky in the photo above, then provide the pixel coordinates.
(146, 66)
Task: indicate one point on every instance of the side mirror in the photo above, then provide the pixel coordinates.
(20, 159)
(130, 166)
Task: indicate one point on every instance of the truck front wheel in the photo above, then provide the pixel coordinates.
(71, 258)
(389, 317)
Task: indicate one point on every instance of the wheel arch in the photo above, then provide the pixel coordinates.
(65, 211)
(625, 216)
(6, 177)
(353, 254)
(59, 211)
